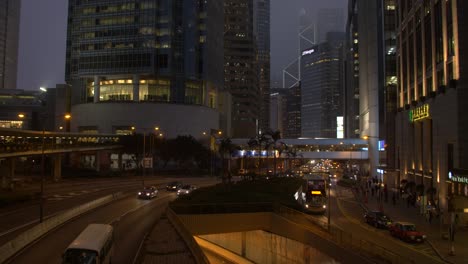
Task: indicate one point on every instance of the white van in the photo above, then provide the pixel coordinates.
(95, 245)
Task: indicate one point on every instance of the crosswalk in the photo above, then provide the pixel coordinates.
(60, 197)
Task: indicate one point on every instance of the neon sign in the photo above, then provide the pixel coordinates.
(308, 52)
(419, 113)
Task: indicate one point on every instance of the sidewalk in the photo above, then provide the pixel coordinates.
(433, 230)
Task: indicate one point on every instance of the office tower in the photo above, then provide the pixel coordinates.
(262, 42)
(163, 56)
(321, 87)
(286, 111)
(351, 94)
(9, 36)
(240, 68)
(329, 20)
(431, 124)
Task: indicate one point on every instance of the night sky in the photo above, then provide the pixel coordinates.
(43, 36)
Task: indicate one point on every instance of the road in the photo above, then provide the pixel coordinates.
(132, 218)
(347, 215)
(66, 195)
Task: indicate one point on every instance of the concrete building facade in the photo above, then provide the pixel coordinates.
(431, 126)
(240, 69)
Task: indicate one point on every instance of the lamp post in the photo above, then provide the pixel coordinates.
(143, 160)
(67, 117)
(214, 133)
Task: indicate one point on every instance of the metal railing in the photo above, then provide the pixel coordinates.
(344, 239)
(222, 208)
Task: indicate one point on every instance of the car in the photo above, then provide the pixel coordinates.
(173, 186)
(186, 189)
(377, 219)
(148, 192)
(406, 232)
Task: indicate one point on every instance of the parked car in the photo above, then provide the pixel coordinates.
(148, 192)
(173, 186)
(377, 219)
(406, 232)
(186, 189)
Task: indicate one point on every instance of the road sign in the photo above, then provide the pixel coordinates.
(148, 163)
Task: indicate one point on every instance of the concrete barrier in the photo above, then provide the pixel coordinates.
(12, 247)
(195, 249)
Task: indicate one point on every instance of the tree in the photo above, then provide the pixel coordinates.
(275, 137)
(226, 150)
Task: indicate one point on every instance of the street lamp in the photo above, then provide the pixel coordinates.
(41, 203)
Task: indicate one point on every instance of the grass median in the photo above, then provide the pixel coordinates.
(272, 191)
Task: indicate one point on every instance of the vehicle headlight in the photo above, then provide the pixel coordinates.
(186, 191)
(139, 193)
(324, 206)
(412, 237)
(173, 187)
(147, 194)
(307, 206)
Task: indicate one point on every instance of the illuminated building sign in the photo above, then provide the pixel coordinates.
(316, 192)
(455, 177)
(419, 113)
(308, 52)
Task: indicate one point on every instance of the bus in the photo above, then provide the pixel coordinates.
(95, 245)
(316, 195)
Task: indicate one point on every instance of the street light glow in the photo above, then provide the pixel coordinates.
(156, 128)
(67, 116)
(21, 115)
(43, 89)
(365, 137)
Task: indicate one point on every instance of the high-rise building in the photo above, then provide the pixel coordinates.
(322, 87)
(9, 36)
(351, 91)
(431, 124)
(286, 111)
(328, 20)
(165, 57)
(240, 69)
(262, 41)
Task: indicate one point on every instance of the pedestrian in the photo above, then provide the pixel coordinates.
(430, 216)
(393, 198)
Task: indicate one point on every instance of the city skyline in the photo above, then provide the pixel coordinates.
(43, 38)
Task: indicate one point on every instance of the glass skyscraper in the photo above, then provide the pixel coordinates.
(167, 51)
(9, 29)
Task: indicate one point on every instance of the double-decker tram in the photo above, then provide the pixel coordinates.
(316, 194)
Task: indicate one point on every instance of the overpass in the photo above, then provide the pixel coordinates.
(306, 148)
(16, 143)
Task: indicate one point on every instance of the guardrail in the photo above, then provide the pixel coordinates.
(187, 237)
(12, 247)
(345, 239)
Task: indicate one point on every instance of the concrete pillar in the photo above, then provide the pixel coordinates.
(97, 89)
(57, 167)
(97, 161)
(8, 172)
(136, 88)
(119, 160)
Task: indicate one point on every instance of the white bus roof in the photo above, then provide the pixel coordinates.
(93, 237)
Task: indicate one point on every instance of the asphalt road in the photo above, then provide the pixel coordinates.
(67, 195)
(347, 215)
(132, 218)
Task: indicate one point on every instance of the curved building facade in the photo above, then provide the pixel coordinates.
(144, 51)
(170, 120)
